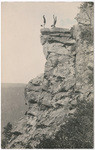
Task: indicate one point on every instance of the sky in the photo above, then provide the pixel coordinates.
(22, 55)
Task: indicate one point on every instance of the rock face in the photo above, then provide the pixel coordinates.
(52, 97)
(84, 71)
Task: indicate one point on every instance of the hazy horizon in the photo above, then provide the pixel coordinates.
(12, 83)
(22, 55)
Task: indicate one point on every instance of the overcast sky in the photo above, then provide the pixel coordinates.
(21, 50)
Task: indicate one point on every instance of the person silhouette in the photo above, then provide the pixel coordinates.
(55, 21)
(44, 21)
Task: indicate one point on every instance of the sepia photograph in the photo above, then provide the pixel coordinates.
(47, 75)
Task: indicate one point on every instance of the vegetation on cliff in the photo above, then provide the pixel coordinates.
(85, 27)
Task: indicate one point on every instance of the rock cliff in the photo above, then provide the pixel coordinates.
(54, 97)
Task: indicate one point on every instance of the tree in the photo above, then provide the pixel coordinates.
(7, 135)
(86, 15)
(85, 19)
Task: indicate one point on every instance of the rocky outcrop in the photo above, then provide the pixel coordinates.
(52, 97)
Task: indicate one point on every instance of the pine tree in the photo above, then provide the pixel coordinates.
(7, 135)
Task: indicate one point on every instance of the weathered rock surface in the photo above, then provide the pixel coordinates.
(52, 97)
